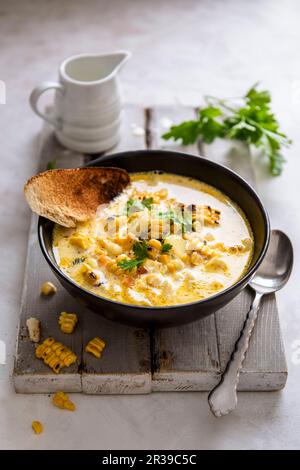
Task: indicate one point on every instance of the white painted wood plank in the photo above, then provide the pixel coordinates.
(186, 358)
(30, 374)
(133, 131)
(125, 364)
(159, 118)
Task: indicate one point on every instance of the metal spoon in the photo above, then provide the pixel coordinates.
(271, 276)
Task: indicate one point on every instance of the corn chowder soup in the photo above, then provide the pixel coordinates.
(165, 240)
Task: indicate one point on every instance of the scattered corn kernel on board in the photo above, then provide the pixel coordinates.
(134, 361)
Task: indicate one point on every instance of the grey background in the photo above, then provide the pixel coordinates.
(181, 50)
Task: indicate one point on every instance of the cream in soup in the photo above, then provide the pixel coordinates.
(166, 240)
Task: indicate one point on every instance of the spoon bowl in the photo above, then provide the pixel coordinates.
(276, 268)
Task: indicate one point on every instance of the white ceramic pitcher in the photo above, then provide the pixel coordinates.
(87, 105)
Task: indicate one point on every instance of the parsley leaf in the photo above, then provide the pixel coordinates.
(166, 247)
(252, 122)
(188, 132)
(140, 250)
(135, 205)
(129, 264)
(176, 217)
(147, 202)
(51, 165)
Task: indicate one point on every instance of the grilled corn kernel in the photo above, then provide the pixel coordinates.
(67, 322)
(196, 258)
(91, 262)
(37, 427)
(247, 244)
(154, 280)
(209, 237)
(211, 216)
(48, 288)
(164, 258)
(155, 244)
(175, 265)
(103, 260)
(122, 257)
(217, 265)
(95, 346)
(114, 268)
(65, 262)
(185, 258)
(112, 248)
(80, 240)
(162, 193)
(206, 251)
(55, 354)
(62, 401)
(93, 276)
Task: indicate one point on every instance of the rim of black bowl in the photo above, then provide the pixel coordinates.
(244, 279)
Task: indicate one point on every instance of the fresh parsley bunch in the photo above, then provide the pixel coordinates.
(252, 121)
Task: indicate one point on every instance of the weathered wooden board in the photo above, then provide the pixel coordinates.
(126, 363)
(186, 358)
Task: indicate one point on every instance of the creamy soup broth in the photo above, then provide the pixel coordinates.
(140, 249)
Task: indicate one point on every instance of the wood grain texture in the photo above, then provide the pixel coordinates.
(30, 374)
(125, 364)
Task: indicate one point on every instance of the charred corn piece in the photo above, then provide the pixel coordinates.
(48, 288)
(95, 347)
(211, 216)
(62, 401)
(37, 427)
(206, 251)
(55, 354)
(80, 240)
(67, 322)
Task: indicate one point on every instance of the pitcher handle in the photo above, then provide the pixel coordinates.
(35, 95)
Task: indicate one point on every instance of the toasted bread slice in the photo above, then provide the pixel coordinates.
(67, 196)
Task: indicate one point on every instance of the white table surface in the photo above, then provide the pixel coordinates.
(181, 50)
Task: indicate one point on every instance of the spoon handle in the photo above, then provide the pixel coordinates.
(223, 398)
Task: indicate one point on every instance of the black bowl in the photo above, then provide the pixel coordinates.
(188, 165)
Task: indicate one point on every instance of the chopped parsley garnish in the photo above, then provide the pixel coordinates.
(140, 250)
(176, 217)
(136, 205)
(129, 264)
(166, 247)
(147, 202)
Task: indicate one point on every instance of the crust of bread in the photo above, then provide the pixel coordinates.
(68, 196)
